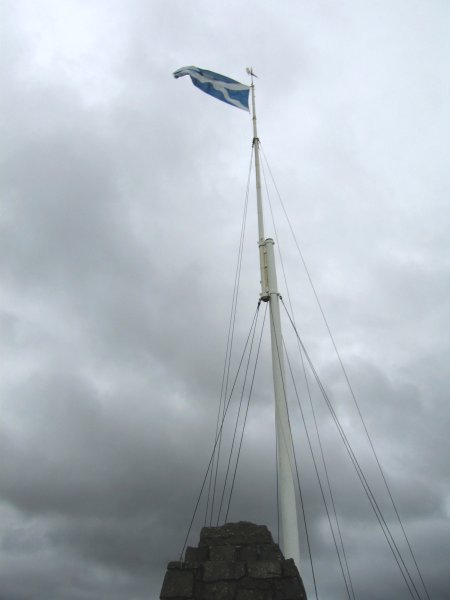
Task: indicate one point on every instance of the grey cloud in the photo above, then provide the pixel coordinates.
(122, 193)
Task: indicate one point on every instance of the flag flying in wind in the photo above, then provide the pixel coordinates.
(221, 87)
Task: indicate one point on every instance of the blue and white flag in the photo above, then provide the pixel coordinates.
(221, 87)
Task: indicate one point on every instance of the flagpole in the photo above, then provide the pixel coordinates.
(269, 292)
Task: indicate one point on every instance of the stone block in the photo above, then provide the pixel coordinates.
(269, 552)
(196, 555)
(219, 590)
(264, 569)
(178, 584)
(289, 589)
(289, 568)
(222, 553)
(246, 553)
(254, 595)
(259, 552)
(218, 571)
(235, 534)
(248, 583)
(277, 552)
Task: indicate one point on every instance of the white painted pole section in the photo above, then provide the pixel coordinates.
(286, 461)
(261, 242)
(269, 291)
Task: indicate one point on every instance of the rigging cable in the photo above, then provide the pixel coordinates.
(352, 393)
(310, 398)
(236, 426)
(384, 526)
(252, 326)
(229, 346)
(278, 491)
(318, 476)
(326, 471)
(246, 414)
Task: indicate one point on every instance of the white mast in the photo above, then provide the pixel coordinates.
(269, 292)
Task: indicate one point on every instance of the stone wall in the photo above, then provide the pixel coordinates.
(238, 561)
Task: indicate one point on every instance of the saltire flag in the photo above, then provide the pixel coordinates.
(221, 87)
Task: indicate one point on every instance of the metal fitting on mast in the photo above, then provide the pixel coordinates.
(265, 289)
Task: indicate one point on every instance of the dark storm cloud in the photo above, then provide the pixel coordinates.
(122, 192)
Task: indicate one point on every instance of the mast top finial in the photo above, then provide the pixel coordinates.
(250, 72)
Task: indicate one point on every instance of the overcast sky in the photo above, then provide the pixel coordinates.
(122, 191)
